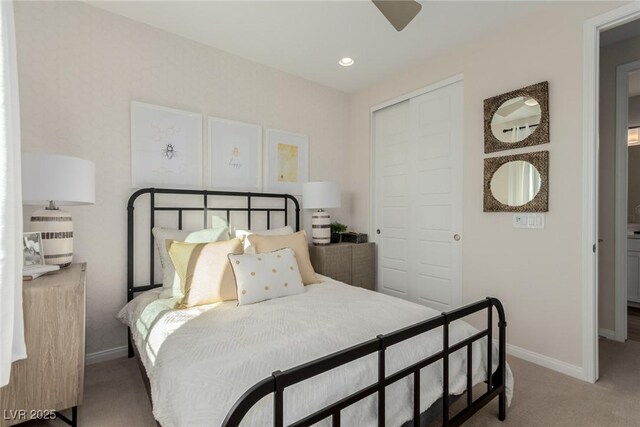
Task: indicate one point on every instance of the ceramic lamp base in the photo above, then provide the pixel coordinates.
(321, 228)
(56, 227)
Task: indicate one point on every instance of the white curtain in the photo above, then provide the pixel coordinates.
(12, 346)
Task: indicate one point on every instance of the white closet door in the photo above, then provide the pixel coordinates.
(393, 198)
(418, 196)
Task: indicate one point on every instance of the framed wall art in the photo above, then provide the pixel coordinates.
(32, 249)
(235, 155)
(166, 147)
(287, 161)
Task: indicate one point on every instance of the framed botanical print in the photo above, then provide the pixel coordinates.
(166, 147)
(287, 161)
(235, 155)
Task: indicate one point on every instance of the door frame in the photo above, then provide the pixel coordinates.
(590, 143)
(621, 197)
(372, 159)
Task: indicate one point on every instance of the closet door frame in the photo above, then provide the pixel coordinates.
(372, 149)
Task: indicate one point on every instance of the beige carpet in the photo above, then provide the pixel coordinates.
(115, 395)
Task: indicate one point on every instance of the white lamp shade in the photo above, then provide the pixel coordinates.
(62, 179)
(320, 195)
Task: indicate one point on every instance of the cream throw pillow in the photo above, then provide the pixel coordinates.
(260, 277)
(248, 249)
(204, 271)
(170, 280)
(296, 241)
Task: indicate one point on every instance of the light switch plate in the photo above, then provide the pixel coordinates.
(528, 220)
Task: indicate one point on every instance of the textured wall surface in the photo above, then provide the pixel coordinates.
(79, 68)
(536, 273)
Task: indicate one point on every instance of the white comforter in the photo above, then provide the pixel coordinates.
(201, 360)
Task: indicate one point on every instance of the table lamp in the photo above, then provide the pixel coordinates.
(320, 195)
(55, 180)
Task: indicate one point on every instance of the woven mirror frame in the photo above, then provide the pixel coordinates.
(540, 203)
(539, 92)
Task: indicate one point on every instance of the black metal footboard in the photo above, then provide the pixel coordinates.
(495, 382)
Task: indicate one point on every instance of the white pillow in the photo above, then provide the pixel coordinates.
(170, 280)
(260, 277)
(248, 248)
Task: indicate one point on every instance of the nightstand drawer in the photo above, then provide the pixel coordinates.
(363, 266)
(52, 376)
(351, 263)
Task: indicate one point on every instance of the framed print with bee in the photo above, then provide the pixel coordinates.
(166, 147)
(235, 155)
(287, 162)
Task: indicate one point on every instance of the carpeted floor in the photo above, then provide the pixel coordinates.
(115, 395)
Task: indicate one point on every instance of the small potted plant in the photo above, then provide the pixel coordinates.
(336, 230)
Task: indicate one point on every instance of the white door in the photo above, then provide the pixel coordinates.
(418, 198)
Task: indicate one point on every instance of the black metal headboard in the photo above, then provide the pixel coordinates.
(204, 208)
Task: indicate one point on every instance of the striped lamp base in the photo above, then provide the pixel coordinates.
(56, 227)
(321, 228)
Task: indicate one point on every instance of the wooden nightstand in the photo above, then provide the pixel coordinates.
(51, 378)
(351, 263)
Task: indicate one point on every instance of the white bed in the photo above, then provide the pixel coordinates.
(201, 360)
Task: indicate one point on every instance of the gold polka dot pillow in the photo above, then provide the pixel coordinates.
(260, 277)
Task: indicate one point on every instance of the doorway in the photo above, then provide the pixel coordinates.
(417, 196)
(628, 109)
(594, 31)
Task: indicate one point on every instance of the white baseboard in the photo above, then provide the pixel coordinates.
(607, 333)
(104, 355)
(545, 361)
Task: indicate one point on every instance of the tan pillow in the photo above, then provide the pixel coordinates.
(204, 271)
(248, 249)
(297, 242)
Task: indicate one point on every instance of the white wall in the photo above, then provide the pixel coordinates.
(79, 68)
(633, 193)
(610, 57)
(633, 188)
(634, 108)
(536, 273)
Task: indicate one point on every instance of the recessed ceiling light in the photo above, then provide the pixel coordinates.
(346, 62)
(531, 102)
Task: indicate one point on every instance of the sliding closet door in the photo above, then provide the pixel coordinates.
(392, 132)
(418, 182)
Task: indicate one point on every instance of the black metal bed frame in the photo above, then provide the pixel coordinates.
(279, 381)
(132, 289)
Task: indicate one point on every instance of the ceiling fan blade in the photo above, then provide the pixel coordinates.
(398, 12)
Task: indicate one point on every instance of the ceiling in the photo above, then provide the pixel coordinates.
(307, 38)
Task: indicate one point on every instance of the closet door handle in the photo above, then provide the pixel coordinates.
(378, 231)
(456, 237)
